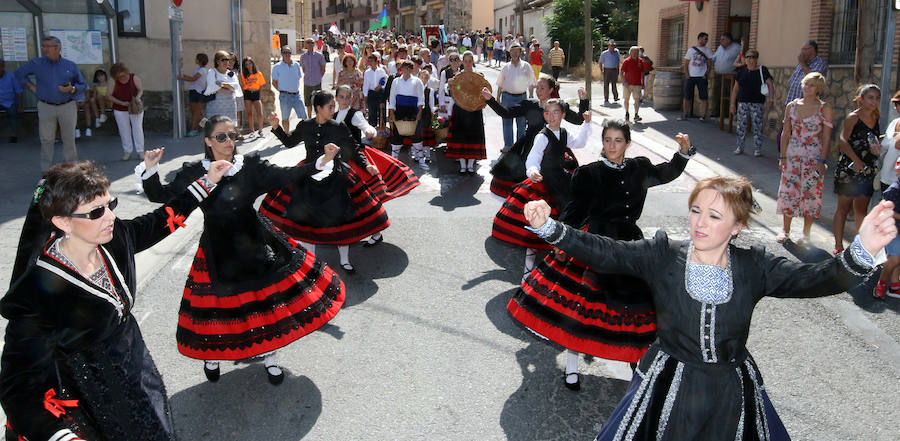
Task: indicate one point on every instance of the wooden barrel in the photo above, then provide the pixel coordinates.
(668, 90)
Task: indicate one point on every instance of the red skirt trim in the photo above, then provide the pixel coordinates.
(502, 188)
(394, 178)
(459, 150)
(428, 137)
(509, 223)
(370, 216)
(253, 322)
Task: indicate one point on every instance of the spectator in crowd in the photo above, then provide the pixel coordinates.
(855, 170)
(97, 100)
(697, 61)
(633, 81)
(805, 145)
(489, 48)
(723, 62)
(557, 60)
(125, 91)
(11, 100)
(808, 61)
(196, 87)
(234, 69)
(81, 101)
(286, 80)
(56, 83)
(351, 76)
(435, 51)
(223, 87)
(748, 101)
(251, 82)
(313, 64)
(648, 75)
(374, 82)
(515, 79)
(499, 49)
(889, 281)
(536, 59)
(609, 69)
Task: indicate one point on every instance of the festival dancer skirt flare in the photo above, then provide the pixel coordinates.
(394, 178)
(510, 223)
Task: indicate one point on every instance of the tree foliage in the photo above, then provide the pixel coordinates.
(610, 19)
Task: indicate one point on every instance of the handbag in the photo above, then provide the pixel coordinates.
(764, 89)
(135, 107)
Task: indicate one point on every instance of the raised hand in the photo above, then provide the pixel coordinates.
(486, 94)
(684, 141)
(331, 150)
(582, 95)
(537, 213)
(152, 157)
(878, 228)
(217, 170)
(587, 116)
(273, 120)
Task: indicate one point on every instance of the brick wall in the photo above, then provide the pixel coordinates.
(666, 17)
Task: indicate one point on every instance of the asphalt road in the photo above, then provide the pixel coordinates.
(425, 349)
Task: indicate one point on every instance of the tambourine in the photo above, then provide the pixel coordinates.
(465, 88)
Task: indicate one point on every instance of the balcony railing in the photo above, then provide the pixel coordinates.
(407, 3)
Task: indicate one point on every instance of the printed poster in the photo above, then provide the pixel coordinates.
(82, 47)
(14, 44)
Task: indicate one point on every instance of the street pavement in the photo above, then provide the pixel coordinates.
(424, 347)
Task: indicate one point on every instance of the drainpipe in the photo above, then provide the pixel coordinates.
(237, 37)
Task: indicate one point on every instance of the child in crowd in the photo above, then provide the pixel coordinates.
(196, 85)
(97, 100)
(889, 282)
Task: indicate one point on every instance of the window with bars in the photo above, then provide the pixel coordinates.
(843, 39)
(674, 42)
(279, 7)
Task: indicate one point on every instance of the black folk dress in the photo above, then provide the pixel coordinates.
(510, 167)
(250, 289)
(339, 210)
(605, 315)
(698, 381)
(69, 338)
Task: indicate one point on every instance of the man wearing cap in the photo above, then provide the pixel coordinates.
(286, 80)
(609, 68)
(313, 64)
(514, 80)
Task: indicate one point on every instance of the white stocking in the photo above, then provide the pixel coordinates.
(395, 150)
(462, 163)
(529, 259)
(571, 366)
(344, 252)
(420, 152)
(472, 163)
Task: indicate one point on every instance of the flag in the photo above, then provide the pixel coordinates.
(334, 29)
(381, 21)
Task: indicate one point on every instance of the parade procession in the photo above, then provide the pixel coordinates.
(436, 219)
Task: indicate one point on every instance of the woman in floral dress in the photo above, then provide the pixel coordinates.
(804, 143)
(352, 77)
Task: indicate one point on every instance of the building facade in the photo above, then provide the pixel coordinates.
(403, 15)
(777, 29)
(506, 19)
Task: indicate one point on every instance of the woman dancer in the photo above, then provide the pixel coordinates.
(549, 167)
(466, 139)
(342, 209)
(75, 365)
(698, 381)
(394, 178)
(609, 316)
(250, 291)
(855, 170)
(510, 167)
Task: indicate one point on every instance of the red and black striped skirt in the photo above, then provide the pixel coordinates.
(394, 178)
(510, 223)
(293, 301)
(605, 315)
(466, 137)
(502, 188)
(369, 219)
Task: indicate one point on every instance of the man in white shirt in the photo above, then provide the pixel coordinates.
(697, 63)
(723, 61)
(406, 102)
(374, 81)
(286, 80)
(515, 79)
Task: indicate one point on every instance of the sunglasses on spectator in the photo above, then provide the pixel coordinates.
(98, 212)
(221, 137)
(454, 58)
(751, 56)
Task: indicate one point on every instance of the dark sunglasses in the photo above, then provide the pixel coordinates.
(454, 59)
(221, 137)
(751, 56)
(98, 212)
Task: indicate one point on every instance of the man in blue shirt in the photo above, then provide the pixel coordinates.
(286, 80)
(609, 68)
(57, 81)
(11, 101)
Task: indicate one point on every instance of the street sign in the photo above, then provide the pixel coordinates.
(176, 13)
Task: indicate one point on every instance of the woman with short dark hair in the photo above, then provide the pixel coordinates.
(250, 291)
(75, 365)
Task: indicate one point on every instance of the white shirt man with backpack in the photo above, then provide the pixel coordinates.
(696, 65)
